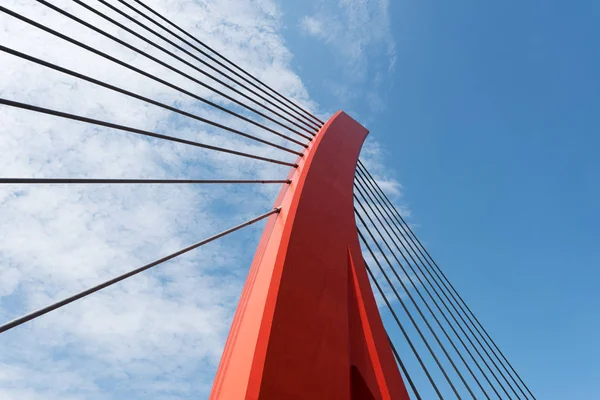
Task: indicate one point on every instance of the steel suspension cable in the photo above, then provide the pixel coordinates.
(142, 98)
(75, 181)
(403, 368)
(434, 275)
(35, 314)
(418, 276)
(497, 349)
(402, 242)
(399, 298)
(450, 289)
(319, 122)
(452, 305)
(404, 333)
(178, 71)
(314, 127)
(416, 287)
(137, 131)
(412, 300)
(140, 71)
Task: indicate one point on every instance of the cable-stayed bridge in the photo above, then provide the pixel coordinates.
(335, 254)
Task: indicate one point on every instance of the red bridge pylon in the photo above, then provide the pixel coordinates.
(307, 325)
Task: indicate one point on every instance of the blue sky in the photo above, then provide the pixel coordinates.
(490, 122)
(483, 116)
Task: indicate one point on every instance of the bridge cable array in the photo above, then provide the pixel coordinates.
(469, 361)
(38, 313)
(260, 109)
(471, 365)
(253, 81)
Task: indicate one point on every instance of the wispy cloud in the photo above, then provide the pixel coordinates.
(359, 33)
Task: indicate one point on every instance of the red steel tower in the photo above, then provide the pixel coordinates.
(307, 325)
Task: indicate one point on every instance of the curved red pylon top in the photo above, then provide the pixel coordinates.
(307, 325)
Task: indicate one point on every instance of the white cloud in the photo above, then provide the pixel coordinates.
(358, 31)
(313, 26)
(373, 156)
(160, 334)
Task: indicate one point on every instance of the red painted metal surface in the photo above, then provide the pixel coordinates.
(307, 326)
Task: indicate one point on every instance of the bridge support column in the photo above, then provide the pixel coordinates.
(307, 326)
